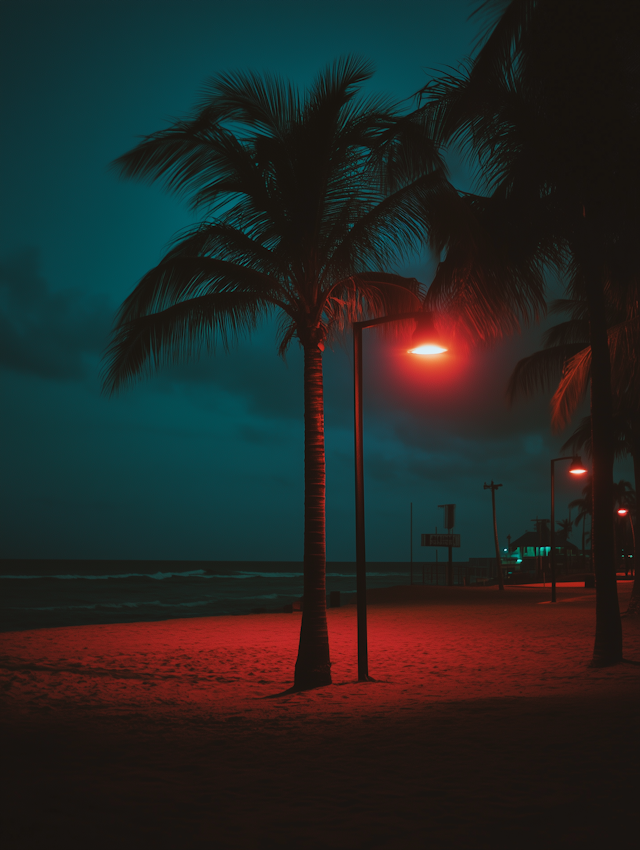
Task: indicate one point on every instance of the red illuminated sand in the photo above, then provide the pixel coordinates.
(484, 715)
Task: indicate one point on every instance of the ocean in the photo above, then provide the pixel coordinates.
(37, 594)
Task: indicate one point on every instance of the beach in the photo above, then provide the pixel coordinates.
(485, 727)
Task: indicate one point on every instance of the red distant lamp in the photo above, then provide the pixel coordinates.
(577, 467)
(425, 337)
(623, 511)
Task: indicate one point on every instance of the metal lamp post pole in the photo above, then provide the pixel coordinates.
(633, 540)
(361, 561)
(627, 512)
(552, 536)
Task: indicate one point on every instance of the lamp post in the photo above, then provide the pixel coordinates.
(576, 468)
(627, 512)
(424, 342)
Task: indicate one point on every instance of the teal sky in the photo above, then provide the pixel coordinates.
(207, 461)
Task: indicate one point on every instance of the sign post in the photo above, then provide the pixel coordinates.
(449, 522)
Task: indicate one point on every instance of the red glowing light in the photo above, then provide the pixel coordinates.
(623, 511)
(429, 348)
(577, 467)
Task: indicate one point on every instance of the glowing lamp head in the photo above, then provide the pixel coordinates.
(425, 337)
(623, 511)
(427, 349)
(577, 467)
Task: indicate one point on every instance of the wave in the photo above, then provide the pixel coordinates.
(156, 576)
(243, 574)
(100, 606)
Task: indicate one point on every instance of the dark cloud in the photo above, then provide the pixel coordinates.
(251, 370)
(46, 333)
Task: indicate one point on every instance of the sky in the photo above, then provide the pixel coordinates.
(205, 461)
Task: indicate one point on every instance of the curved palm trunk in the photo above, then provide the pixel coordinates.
(608, 640)
(313, 666)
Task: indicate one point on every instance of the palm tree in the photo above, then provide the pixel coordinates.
(627, 437)
(549, 110)
(566, 358)
(307, 200)
(565, 526)
(585, 509)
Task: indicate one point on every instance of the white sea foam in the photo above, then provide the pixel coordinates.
(157, 576)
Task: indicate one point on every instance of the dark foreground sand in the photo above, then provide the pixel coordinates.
(486, 728)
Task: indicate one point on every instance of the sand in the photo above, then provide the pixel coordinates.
(485, 727)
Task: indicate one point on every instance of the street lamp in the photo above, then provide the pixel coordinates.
(627, 512)
(576, 468)
(426, 343)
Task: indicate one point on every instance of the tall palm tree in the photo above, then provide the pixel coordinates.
(307, 200)
(566, 356)
(549, 109)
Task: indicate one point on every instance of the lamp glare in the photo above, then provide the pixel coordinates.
(427, 349)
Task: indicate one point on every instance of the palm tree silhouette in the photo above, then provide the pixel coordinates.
(585, 509)
(565, 526)
(549, 109)
(566, 358)
(307, 201)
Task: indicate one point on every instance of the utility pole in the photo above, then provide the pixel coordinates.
(411, 540)
(493, 487)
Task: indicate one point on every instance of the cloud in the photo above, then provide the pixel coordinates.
(49, 334)
(251, 370)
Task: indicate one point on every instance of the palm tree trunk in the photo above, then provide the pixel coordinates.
(634, 438)
(608, 640)
(313, 666)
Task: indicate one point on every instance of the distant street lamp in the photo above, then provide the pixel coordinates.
(627, 512)
(425, 342)
(576, 468)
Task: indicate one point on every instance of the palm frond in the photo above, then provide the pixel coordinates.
(183, 278)
(539, 371)
(571, 389)
(580, 440)
(334, 87)
(624, 352)
(262, 102)
(178, 333)
(370, 295)
(571, 332)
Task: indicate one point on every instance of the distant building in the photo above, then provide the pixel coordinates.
(530, 552)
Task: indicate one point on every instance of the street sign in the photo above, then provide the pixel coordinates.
(449, 516)
(440, 540)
